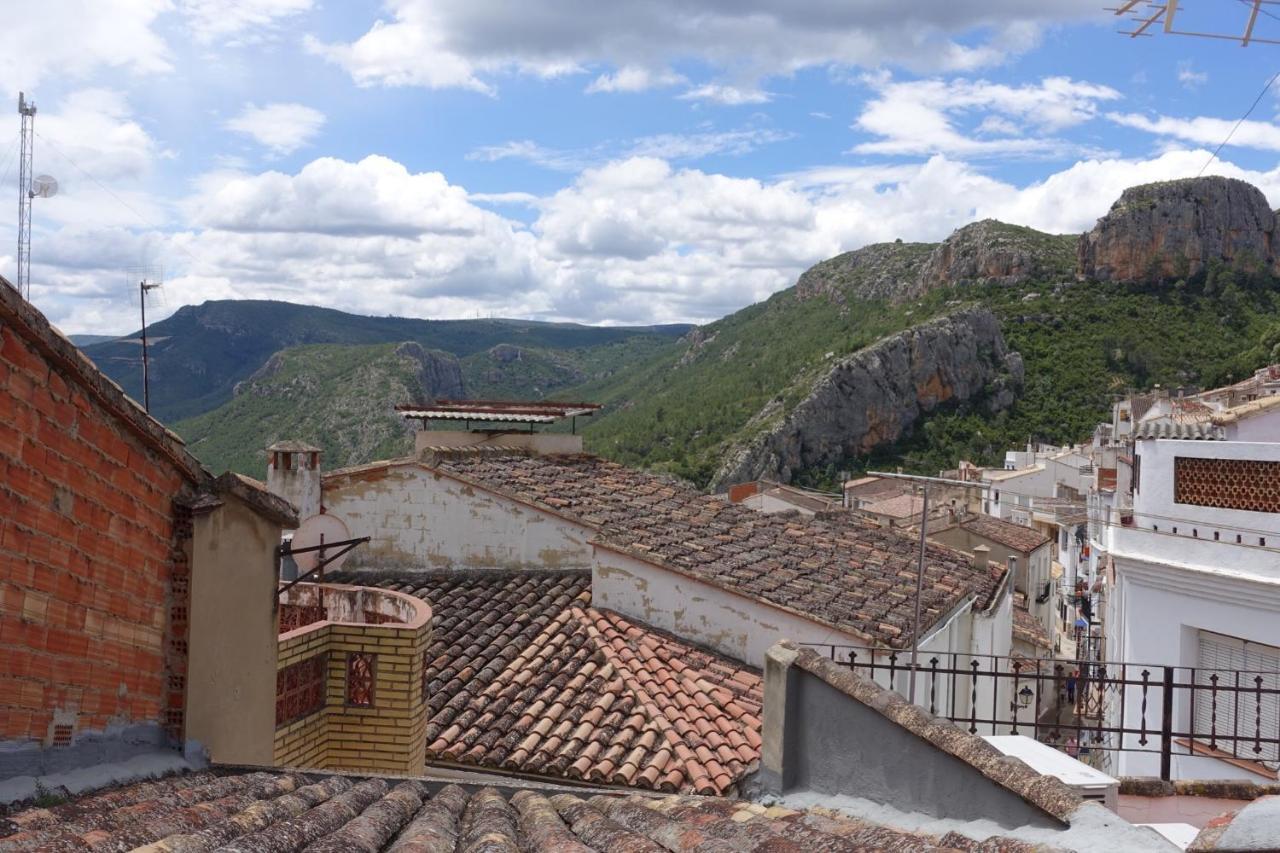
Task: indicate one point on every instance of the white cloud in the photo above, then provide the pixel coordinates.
(73, 38)
(633, 241)
(920, 116)
(1189, 77)
(634, 78)
(666, 146)
(282, 128)
(1204, 130)
(214, 20)
(468, 43)
(721, 93)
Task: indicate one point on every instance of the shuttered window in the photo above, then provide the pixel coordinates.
(1247, 714)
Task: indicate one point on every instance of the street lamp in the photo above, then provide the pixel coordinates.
(1025, 695)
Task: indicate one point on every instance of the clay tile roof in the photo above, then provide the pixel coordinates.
(523, 674)
(833, 567)
(898, 506)
(1015, 536)
(265, 812)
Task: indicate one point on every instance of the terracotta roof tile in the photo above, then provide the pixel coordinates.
(287, 811)
(1015, 536)
(832, 567)
(525, 675)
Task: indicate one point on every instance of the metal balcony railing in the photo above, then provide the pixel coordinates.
(1103, 705)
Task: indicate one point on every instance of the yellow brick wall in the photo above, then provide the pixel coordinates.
(390, 736)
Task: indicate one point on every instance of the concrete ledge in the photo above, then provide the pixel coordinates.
(1045, 792)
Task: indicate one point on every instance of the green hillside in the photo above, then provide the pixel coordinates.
(200, 352)
(339, 398)
(1082, 343)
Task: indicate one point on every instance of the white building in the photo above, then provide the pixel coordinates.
(1195, 584)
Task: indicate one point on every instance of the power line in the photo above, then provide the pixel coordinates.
(1247, 113)
(8, 163)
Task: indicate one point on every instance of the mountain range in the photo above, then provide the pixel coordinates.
(907, 354)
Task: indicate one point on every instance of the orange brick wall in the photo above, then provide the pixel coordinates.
(89, 540)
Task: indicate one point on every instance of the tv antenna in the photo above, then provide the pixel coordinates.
(144, 287)
(29, 189)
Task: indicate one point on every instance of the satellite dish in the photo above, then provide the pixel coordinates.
(44, 186)
(315, 531)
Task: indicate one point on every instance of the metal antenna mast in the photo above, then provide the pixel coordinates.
(27, 110)
(143, 287)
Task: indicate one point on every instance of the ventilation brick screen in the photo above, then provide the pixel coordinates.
(1245, 484)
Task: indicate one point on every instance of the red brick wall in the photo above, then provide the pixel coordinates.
(87, 554)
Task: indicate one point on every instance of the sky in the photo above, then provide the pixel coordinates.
(601, 162)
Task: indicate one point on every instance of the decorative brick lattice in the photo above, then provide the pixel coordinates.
(300, 689)
(1244, 484)
(361, 676)
(295, 616)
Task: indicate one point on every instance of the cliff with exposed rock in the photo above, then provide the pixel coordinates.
(877, 395)
(1172, 229)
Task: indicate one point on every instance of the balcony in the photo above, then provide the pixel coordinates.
(306, 605)
(349, 679)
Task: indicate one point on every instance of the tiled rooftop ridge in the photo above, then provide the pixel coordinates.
(522, 674)
(832, 567)
(276, 812)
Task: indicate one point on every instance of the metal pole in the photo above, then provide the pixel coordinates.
(27, 110)
(146, 386)
(915, 633)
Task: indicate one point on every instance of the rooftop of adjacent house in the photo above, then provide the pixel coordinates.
(1246, 410)
(832, 568)
(1194, 431)
(1028, 628)
(996, 475)
(812, 501)
(1015, 536)
(292, 447)
(509, 411)
(524, 675)
(898, 506)
(246, 810)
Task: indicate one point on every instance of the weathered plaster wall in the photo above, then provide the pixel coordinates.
(418, 518)
(820, 739)
(231, 679)
(740, 627)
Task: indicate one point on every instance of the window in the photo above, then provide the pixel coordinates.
(1215, 536)
(361, 675)
(1247, 714)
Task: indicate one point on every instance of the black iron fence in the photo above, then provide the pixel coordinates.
(1091, 705)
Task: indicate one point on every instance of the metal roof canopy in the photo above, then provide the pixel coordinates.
(502, 411)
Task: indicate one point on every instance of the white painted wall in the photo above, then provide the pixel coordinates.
(1156, 515)
(1264, 426)
(419, 518)
(736, 625)
(1156, 612)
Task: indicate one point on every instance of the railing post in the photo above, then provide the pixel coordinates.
(1166, 726)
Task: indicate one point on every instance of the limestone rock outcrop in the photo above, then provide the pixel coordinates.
(1173, 228)
(994, 251)
(438, 373)
(876, 396)
(878, 271)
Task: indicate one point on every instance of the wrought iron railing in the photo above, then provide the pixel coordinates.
(1108, 706)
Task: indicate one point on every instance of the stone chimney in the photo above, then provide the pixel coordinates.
(981, 557)
(293, 473)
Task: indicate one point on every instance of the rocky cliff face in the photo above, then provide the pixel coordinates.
(438, 374)
(1172, 229)
(995, 251)
(878, 271)
(877, 395)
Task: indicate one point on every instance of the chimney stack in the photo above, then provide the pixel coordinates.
(981, 557)
(293, 473)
